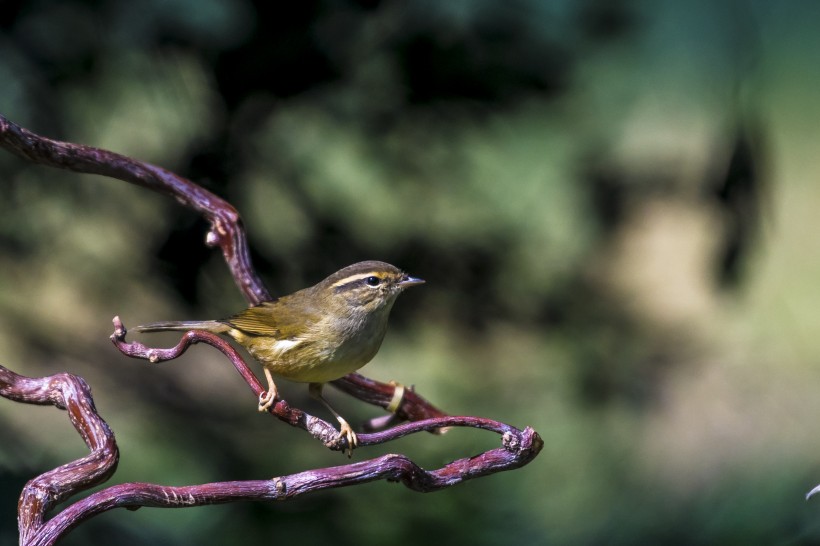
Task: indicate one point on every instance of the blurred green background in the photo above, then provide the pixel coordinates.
(614, 205)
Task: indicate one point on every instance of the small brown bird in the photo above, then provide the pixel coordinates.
(317, 334)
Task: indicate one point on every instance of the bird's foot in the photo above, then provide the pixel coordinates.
(346, 432)
(266, 400)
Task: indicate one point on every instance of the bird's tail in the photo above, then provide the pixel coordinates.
(207, 325)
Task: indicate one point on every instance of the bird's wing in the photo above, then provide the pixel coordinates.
(272, 319)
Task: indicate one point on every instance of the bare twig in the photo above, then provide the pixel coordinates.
(71, 393)
(411, 406)
(318, 428)
(226, 231)
(515, 452)
(67, 391)
(226, 226)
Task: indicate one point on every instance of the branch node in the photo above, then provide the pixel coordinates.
(280, 486)
(212, 239)
(510, 441)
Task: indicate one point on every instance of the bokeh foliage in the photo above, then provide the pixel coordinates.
(614, 204)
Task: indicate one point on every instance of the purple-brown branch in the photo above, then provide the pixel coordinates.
(318, 428)
(226, 225)
(71, 393)
(66, 391)
(396, 468)
(226, 231)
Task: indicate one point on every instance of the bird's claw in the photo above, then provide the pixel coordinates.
(347, 433)
(266, 400)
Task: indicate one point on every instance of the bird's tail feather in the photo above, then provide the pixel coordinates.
(207, 325)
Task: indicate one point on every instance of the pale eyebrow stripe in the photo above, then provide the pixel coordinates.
(354, 278)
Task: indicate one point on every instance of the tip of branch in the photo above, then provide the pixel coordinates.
(119, 329)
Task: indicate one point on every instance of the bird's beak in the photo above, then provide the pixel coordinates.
(407, 281)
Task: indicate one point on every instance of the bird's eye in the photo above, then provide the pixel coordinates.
(373, 281)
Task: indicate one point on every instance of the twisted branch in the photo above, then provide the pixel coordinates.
(226, 230)
(318, 428)
(226, 227)
(69, 392)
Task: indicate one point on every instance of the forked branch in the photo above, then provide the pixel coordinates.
(318, 428)
(226, 226)
(69, 392)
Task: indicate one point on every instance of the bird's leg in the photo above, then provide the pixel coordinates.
(315, 390)
(266, 399)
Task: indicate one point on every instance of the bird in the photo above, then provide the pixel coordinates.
(317, 334)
